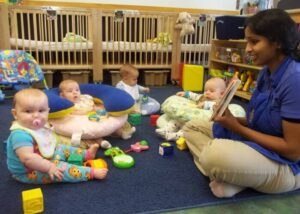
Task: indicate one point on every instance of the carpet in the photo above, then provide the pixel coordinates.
(153, 185)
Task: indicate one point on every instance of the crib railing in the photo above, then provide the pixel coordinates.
(195, 48)
(134, 39)
(57, 39)
(91, 39)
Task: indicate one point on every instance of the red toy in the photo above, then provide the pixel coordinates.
(138, 147)
(153, 119)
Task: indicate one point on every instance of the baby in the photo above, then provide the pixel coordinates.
(213, 91)
(33, 155)
(83, 104)
(129, 77)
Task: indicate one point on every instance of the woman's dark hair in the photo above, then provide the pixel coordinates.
(277, 26)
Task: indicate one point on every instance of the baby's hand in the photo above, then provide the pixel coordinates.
(200, 105)
(146, 90)
(180, 93)
(55, 172)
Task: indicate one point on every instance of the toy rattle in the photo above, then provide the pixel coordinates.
(138, 147)
(119, 158)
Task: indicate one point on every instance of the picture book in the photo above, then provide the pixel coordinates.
(223, 103)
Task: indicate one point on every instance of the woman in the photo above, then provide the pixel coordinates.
(261, 151)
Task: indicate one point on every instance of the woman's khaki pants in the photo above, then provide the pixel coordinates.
(236, 163)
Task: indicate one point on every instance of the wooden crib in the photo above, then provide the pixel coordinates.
(72, 39)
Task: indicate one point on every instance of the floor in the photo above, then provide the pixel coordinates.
(273, 205)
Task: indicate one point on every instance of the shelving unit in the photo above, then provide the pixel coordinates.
(220, 62)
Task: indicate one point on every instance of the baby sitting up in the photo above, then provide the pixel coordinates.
(213, 91)
(144, 104)
(33, 155)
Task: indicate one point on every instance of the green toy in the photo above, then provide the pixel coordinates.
(135, 119)
(75, 159)
(119, 158)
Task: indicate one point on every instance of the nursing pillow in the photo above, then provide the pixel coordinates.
(89, 129)
(116, 102)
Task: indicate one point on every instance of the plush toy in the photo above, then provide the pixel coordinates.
(185, 23)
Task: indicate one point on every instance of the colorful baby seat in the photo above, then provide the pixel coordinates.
(19, 69)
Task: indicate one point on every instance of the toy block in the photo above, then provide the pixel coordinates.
(135, 119)
(153, 119)
(192, 77)
(166, 149)
(181, 144)
(33, 201)
(75, 159)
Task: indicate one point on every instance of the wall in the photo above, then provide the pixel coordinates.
(199, 4)
(226, 7)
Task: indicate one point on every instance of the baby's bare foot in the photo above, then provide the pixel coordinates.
(100, 173)
(93, 150)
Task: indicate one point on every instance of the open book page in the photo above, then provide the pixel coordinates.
(227, 97)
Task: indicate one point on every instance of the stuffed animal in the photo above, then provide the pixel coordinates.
(185, 23)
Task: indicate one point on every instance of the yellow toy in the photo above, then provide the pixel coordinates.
(248, 82)
(181, 144)
(98, 163)
(33, 201)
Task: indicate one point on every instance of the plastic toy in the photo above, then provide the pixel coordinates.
(248, 81)
(119, 158)
(145, 98)
(135, 119)
(138, 147)
(166, 149)
(75, 159)
(153, 119)
(98, 163)
(94, 117)
(33, 201)
(102, 113)
(181, 144)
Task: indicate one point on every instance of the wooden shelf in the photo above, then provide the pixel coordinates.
(240, 65)
(243, 94)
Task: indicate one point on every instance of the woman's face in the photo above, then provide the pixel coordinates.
(261, 50)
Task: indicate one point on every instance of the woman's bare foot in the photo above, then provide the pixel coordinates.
(100, 173)
(224, 190)
(93, 151)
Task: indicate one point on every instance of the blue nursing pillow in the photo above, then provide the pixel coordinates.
(116, 101)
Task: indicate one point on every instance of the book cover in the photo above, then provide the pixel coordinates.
(223, 103)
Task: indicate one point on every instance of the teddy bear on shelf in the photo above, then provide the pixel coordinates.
(185, 23)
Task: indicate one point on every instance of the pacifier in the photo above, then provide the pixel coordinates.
(36, 123)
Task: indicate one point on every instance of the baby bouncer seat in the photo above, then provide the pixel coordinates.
(18, 69)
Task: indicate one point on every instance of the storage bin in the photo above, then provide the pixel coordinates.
(49, 80)
(156, 77)
(230, 27)
(115, 77)
(78, 76)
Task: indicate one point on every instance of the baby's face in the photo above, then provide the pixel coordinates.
(212, 91)
(131, 79)
(71, 91)
(31, 111)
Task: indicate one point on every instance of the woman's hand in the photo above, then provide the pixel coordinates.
(228, 121)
